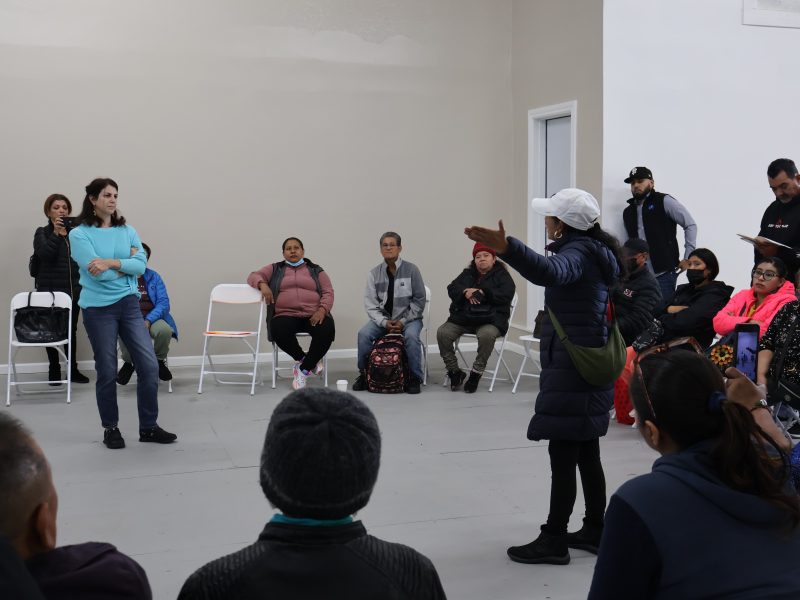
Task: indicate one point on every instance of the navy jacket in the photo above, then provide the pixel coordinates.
(577, 279)
(680, 532)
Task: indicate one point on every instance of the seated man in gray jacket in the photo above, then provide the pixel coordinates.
(395, 300)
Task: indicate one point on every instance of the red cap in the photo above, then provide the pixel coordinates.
(478, 247)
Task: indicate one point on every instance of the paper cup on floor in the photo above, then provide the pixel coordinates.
(341, 385)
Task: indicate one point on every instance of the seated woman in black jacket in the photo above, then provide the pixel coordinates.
(481, 304)
(692, 310)
(57, 272)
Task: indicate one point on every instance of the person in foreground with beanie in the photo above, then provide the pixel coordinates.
(318, 467)
(481, 304)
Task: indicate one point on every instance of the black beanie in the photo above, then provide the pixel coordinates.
(321, 454)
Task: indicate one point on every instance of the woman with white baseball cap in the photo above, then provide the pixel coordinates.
(584, 262)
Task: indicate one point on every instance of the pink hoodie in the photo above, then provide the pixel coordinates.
(726, 320)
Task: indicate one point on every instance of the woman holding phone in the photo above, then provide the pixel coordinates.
(110, 257)
(57, 272)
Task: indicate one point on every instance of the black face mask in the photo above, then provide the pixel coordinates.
(631, 265)
(695, 276)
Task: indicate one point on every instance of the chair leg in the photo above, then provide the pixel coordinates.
(274, 364)
(521, 370)
(202, 366)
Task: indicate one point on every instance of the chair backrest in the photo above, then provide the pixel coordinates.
(235, 293)
(513, 308)
(426, 312)
(61, 299)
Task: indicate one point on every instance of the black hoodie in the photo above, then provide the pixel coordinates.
(697, 320)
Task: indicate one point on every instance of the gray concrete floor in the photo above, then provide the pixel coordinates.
(459, 481)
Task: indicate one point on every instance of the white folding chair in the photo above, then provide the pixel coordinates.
(232, 293)
(275, 368)
(63, 347)
(500, 359)
(423, 335)
(527, 342)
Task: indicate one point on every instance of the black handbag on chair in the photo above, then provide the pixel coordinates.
(41, 324)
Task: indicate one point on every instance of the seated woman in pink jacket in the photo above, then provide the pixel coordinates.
(299, 298)
(769, 292)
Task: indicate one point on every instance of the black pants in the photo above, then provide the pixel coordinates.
(564, 457)
(284, 329)
(52, 353)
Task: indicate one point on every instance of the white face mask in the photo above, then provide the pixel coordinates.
(296, 264)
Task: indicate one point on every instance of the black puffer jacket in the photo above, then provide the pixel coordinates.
(57, 271)
(697, 320)
(497, 286)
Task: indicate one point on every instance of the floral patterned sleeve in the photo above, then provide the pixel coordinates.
(775, 335)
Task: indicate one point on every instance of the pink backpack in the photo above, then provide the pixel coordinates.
(387, 366)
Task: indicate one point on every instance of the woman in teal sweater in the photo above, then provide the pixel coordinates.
(110, 257)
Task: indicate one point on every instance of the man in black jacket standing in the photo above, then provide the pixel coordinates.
(781, 220)
(654, 216)
(638, 296)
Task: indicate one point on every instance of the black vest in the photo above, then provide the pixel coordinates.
(659, 231)
(278, 270)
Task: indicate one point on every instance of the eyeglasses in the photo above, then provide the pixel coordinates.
(767, 275)
(658, 349)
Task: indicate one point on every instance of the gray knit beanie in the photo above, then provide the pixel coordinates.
(321, 454)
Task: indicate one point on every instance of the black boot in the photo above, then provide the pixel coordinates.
(586, 538)
(54, 374)
(456, 378)
(360, 384)
(548, 549)
(77, 376)
(124, 375)
(472, 383)
(164, 374)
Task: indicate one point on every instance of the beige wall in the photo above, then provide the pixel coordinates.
(232, 125)
(557, 56)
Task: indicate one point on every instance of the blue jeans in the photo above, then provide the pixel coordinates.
(372, 331)
(667, 281)
(103, 325)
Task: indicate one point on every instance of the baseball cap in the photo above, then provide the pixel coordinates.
(637, 246)
(639, 173)
(577, 208)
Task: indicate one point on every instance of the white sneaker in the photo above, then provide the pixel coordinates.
(299, 381)
(319, 369)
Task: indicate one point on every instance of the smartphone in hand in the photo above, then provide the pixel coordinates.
(746, 351)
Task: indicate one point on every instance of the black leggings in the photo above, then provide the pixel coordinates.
(565, 455)
(284, 329)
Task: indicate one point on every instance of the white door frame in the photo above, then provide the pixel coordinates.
(537, 170)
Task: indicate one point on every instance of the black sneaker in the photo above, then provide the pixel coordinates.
(164, 374)
(794, 431)
(78, 377)
(472, 383)
(112, 438)
(413, 385)
(586, 538)
(547, 549)
(156, 435)
(124, 375)
(360, 384)
(456, 379)
(54, 374)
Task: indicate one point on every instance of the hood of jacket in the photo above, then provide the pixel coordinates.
(693, 468)
(787, 290)
(600, 253)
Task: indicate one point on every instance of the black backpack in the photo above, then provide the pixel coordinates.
(387, 366)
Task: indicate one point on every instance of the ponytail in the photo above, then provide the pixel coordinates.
(743, 461)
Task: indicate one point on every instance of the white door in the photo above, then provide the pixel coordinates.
(551, 166)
